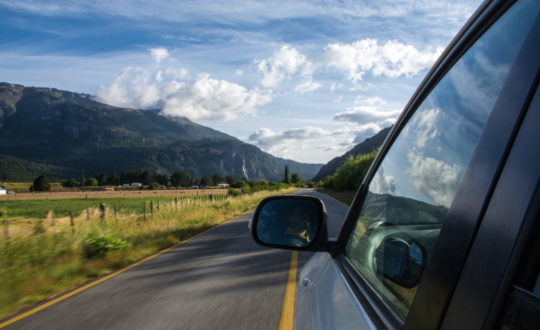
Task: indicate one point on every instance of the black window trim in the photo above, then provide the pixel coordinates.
(482, 309)
(482, 19)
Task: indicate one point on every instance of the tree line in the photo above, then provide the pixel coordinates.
(180, 178)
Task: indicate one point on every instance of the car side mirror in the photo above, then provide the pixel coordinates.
(400, 260)
(290, 222)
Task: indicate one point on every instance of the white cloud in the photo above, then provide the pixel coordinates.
(426, 126)
(307, 86)
(434, 178)
(134, 87)
(382, 184)
(391, 59)
(214, 99)
(289, 142)
(159, 54)
(204, 98)
(283, 65)
(366, 114)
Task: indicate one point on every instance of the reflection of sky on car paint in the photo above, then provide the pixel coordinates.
(442, 134)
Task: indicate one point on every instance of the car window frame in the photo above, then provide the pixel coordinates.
(520, 195)
(481, 21)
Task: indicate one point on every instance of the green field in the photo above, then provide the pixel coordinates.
(62, 207)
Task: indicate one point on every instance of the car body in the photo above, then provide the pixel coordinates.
(442, 232)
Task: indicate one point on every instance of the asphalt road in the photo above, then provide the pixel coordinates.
(219, 280)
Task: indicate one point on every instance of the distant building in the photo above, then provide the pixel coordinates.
(223, 184)
(3, 191)
(136, 184)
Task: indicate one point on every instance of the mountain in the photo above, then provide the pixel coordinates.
(59, 133)
(365, 147)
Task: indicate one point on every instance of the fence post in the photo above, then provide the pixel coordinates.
(6, 230)
(158, 209)
(103, 211)
(211, 199)
(144, 211)
(71, 222)
(152, 209)
(50, 215)
(176, 203)
(116, 213)
(87, 214)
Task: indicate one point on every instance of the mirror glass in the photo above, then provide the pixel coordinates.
(400, 261)
(289, 222)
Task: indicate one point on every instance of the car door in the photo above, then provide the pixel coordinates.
(409, 230)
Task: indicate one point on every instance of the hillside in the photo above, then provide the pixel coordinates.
(59, 133)
(365, 147)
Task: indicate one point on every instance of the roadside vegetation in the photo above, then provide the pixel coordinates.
(48, 246)
(348, 177)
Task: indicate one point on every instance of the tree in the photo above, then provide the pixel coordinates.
(101, 178)
(92, 182)
(286, 176)
(296, 179)
(207, 181)
(41, 184)
(162, 179)
(82, 181)
(216, 178)
(257, 185)
(181, 179)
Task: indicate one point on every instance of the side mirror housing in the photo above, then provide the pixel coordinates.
(291, 222)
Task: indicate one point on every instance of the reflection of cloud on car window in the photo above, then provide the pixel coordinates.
(382, 184)
(434, 178)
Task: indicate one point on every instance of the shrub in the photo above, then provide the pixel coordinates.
(71, 183)
(258, 185)
(97, 246)
(234, 192)
(349, 175)
(92, 182)
(154, 186)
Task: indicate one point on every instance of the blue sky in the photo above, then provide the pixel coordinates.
(304, 80)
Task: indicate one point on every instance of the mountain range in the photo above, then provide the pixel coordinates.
(59, 133)
(365, 147)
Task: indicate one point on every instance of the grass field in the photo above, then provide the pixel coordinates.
(61, 207)
(44, 254)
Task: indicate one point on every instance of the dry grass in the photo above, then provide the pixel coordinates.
(112, 194)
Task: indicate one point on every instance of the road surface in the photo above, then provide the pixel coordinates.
(219, 280)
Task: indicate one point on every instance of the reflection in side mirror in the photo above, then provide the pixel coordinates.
(288, 221)
(399, 260)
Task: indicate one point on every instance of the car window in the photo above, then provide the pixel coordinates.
(414, 186)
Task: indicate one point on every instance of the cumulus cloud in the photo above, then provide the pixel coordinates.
(169, 88)
(159, 54)
(426, 126)
(134, 87)
(283, 65)
(434, 178)
(214, 99)
(290, 142)
(382, 183)
(391, 59)
(368, 111)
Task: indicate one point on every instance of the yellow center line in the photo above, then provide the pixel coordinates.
(287, 310)
(89, 285)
